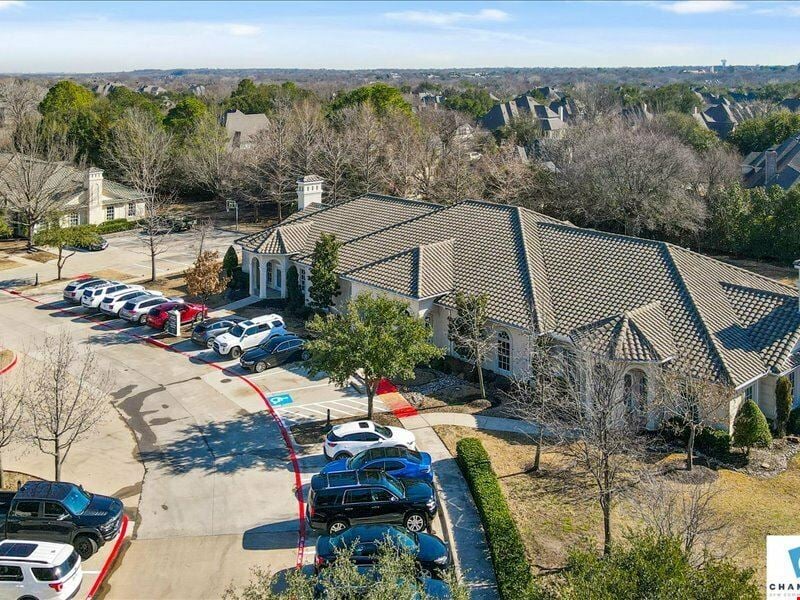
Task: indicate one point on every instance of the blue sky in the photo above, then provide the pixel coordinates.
(111, 36)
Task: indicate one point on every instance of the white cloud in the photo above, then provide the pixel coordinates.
(436, 18)
(241, 30)
(693, 7)
(11, 4)
(781, 9)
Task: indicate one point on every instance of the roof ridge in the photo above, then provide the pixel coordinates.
(534, 318)
(711, 341)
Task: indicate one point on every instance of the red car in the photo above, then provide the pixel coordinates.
(158, 316)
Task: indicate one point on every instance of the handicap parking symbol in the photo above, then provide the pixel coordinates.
(280, 399)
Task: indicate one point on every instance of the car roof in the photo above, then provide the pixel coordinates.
(44, 490)
(44, 553)
(231, 318)
(371, 533)
(283, 337)
(354, 427)
(347, 479)
(261, 319)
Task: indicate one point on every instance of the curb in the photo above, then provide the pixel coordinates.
(10, 365)
(101, 576)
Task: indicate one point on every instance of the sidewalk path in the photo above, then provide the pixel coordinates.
(460, 516)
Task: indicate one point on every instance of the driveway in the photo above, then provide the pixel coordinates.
(126, 253)
(219, 478)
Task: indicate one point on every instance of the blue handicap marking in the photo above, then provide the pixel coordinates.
(280, 399)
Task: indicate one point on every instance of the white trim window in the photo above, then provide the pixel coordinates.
(74, 220)
(109, 213)
(503, 351)
(302, 279)
(750, 392)
(131, 209)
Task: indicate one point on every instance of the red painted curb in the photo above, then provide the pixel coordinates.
(287, 438)
(101, 576)
(9, 366)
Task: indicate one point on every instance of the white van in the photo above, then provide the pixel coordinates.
(42, 570)
(92, 297)
(249, 334)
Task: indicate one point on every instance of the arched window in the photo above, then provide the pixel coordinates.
(636, 390)
(503, 351)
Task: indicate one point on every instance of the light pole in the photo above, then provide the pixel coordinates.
(232, 204)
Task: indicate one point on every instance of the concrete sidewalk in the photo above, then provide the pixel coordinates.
(460, 516)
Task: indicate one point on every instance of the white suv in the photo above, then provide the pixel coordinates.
(42, 570)
(136, 310)
(112, 304)
(75, 289)
(94, 296)
(249, 334)
(344, 441)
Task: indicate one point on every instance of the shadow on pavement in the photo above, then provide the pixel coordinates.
(221, 447)
(272, 536)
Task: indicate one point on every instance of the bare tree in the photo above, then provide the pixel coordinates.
(333, 159)
(507, 177)
(11, 396)
(597, 428)
(140, 150)
(683, 512)
(534, 397)
(37, 177)
(307, 123)
(403, 148)
(67, 398)
(206, 161)
(632, 179)
(268, 166)
(696, 403)
(365, 141)
(20, 97)
(468, 330)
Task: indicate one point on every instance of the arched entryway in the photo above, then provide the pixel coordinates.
(255, 277)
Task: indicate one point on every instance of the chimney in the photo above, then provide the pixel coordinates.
(93, 184)
(309, 191)
(770, 166)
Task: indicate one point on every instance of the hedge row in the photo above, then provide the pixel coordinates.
(115, 225)
(511, 566)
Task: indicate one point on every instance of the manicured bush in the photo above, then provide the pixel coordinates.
(230, 261)
(239, 279)
(713, 442)
(513, 573)
(793, 424)
(783, 404)
(294, 295)
(750, 428)
(114, 226)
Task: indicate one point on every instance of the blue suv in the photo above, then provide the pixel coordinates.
(397, 462)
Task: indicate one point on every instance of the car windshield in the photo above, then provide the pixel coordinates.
(272, 344)
(77, 500)
(358, 461)
(237, 331)
(384, 431)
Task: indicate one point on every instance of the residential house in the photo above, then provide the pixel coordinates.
(636, 113)
(197, 89)
(241, 128)
(643, 302)
(777, 165)
(154, 90)
(526, 108)
(722, 116)
(90, 197)
(104, 89)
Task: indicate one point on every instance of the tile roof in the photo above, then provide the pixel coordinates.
(787, 165)
(643, 299)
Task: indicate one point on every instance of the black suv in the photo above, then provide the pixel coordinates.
(338, 500)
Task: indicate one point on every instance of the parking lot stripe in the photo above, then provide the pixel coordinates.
(287, 438)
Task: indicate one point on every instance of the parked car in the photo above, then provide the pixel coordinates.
(158, 316)
(60, 512)
(249, 334)
(112, 305)
(431, 553)
(340, 500)
(348, 439)
(401, 463)
(433, 589)
(74, 289)
(167, 225)
(40, 570)
(136, 309)
(93, 296)
(206, 332)
(278, 350)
